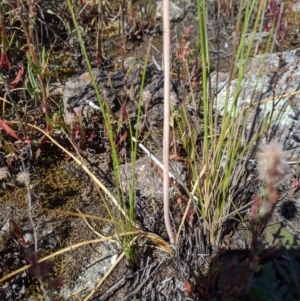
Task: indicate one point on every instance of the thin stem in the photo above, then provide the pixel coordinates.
(166, 28)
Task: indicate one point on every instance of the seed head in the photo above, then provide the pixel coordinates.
(272, 164)
(69, 118)
(23, 177)
(146, 96)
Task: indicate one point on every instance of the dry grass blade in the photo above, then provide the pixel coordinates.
(89, 225)
(83, 215)
(242, 112)
(158, 241)
(109, 238)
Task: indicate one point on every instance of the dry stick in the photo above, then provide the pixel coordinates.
(166, 45)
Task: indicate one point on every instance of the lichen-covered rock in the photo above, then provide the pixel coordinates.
(270, 87)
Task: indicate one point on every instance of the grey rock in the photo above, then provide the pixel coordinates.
(269, 86)
(148, 182)
(257, 38)
(118, 88)
(296, 7)
(176, 12)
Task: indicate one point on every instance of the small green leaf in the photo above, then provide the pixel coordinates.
(33, 66)
(263, 290)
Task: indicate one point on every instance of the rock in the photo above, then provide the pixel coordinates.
(95, 267)
(116, 89)
(257, 38)
(148, 183)
(176, 12)
(277, 233)
(296, 7)
(10, 260)
(56, 89)
(270, 86)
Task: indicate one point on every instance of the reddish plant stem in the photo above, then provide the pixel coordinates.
(32, 51)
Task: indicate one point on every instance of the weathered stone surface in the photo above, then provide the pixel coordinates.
(296, 7)
(176, 12)
(117, 88)
(270, 86)
(148, 182)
